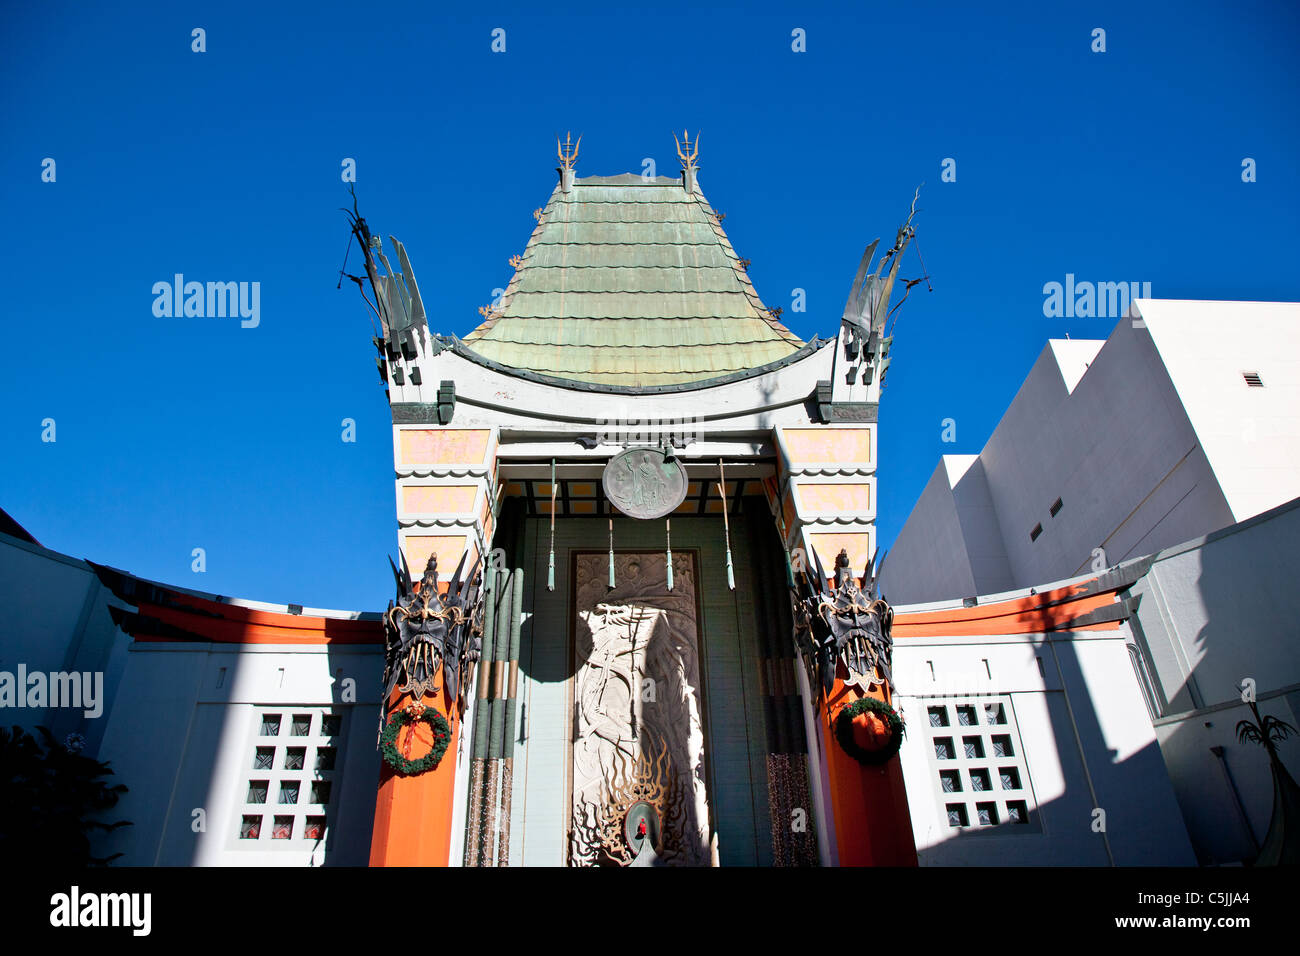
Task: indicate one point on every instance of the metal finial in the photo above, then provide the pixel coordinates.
(692, 150)
(568, 150)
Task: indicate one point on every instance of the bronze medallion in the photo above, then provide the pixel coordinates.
(644, 483)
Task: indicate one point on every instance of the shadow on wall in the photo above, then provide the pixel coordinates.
(1230, 606)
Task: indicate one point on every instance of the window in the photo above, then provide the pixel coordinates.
(983, 780)
(1056, 507)
(1253, 379)
(298, 780)
(1033, 535)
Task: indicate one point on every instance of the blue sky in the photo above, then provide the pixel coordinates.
(181, 433)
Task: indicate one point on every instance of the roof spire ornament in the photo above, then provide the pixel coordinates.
(688, 153)
(568, 153)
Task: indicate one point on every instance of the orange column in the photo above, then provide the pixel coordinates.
(872, 824)
(413, 814)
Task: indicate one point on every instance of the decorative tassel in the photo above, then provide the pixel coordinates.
(550, 565)
(726, 523)
(611, 554)
(668, 531)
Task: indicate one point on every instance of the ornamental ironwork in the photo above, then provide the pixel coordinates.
(843, 623)
(432, 636)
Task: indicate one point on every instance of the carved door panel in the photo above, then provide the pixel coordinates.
(637, 783)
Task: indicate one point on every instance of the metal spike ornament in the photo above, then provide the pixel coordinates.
(841, 623)
(431, 636)
(668, 532)
(550, 561)
(726, 523)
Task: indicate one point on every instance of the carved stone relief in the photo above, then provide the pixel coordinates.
(638, 737)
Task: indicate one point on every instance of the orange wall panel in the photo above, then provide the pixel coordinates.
(829, 544)
(835, 498)
(438, 499)
(443, 446)
(841, 445)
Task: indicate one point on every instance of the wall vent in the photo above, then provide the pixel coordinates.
(1056, 507)
(1253, 379)
(1033, 535)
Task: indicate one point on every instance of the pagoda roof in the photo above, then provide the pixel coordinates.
(631, 281)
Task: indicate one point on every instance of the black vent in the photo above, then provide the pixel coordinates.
(1253, 379)
(1056, 507)
(1033, 535)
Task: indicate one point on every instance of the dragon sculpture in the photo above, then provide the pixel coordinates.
(844, 622)
(427, 633)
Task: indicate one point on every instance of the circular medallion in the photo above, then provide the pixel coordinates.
(644, 483)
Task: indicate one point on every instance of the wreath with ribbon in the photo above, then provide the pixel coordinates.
(409, 716)
(844, 730)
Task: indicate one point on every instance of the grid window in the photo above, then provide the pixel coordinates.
(976, 793)
(298, 781)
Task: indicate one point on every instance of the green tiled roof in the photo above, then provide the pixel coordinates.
(628, 281)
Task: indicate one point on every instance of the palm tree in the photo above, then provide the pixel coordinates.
(1282, 844)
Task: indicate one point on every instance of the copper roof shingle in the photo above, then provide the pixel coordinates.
(631, 281)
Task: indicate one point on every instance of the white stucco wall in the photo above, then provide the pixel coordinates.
(1148, 439)
(1085, 739)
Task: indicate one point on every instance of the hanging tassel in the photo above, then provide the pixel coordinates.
(611, 554)
(726, 523)
(668, 531)
(550, 564)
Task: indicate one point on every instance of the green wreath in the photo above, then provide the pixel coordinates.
(844, 730)
(404, 718)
